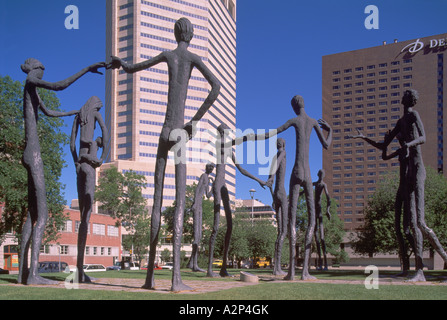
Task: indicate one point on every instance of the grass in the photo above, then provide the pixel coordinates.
(265, 290)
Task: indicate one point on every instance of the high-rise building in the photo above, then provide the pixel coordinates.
(362, 90)
(138, 30)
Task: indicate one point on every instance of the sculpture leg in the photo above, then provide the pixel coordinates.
(418, 239)
(420, 209)
(226, 202)
(282, 217)
(308, 189)
(86, 189)
(36, 187)
(217, 200)
(160, 167)
(24, 248)
(294, 192)
(323, 243)
(180, 185)
(317, 242)
(404, 258)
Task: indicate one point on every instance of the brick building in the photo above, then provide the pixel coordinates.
(103, 243)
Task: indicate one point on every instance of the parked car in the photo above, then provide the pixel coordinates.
(94, 268)
(156, 267)
(168, 265)
(217, 263)
(128, 265)
(3, 271)
(116, 266)
(51, 266)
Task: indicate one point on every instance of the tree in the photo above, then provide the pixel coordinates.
(13, 176)
(188, 223)
(121, 196)
(333, 230)
(377, 235)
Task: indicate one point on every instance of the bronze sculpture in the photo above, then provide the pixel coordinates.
(180, 62)
(300, 177)
(201, 191)
(280, 201)
(412, 136)
(86, 164)
(34, 226)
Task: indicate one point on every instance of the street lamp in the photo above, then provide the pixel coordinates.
(252, 194)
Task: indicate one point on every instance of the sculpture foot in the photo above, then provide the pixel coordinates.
(178, 287)
(224, 273)
(149, 285)
(404, 273)
(289, 277)
(307, 277)
(83, 278)
(279, 273)
(211, 274)
(38, 280)
(418, 277)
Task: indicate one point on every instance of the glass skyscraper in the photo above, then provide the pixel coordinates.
(138, 30)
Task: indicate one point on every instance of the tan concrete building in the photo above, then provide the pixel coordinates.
(362, 90)
(136, 103)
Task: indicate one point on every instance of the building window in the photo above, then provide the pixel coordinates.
(64, 250)
(112, 231)
(67, 226)
(99, 229)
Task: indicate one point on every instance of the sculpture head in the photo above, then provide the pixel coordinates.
(410, 98)
(90, 107)
(34, 67)
(221, 129)
(183, 30)
(280, 143)
(321, 174)
(209, 168)
(297, 104)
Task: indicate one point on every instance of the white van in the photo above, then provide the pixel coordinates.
(94, 268)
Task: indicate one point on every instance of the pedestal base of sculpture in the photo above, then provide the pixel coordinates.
(248, 277)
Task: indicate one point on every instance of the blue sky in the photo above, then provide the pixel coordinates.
(279, 52)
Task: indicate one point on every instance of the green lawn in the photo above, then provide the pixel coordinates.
(265, 290)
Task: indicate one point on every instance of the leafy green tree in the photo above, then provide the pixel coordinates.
(14, 178)
(378, 232)
(165, 255)
(188, 222)
(333, 230)
(121, 196)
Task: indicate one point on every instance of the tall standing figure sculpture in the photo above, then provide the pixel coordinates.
(202, 190)
(412, 132)
(401, 200)
(34, 226)
(320, 187)
(300, 176)
(86, 164)
(280, 201)
(180, 64)
(220, 194)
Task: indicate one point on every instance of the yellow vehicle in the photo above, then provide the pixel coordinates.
(262, 263)
(217, 263)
